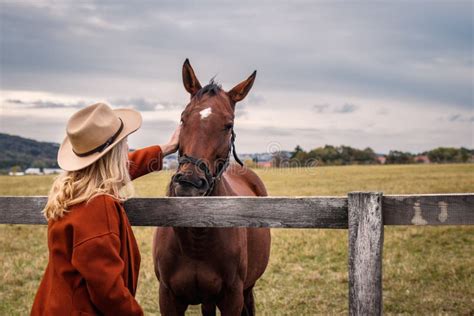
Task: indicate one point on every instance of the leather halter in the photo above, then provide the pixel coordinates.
(211, 180)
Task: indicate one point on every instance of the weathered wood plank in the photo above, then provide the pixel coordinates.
(433, 209)
(22, 209)
(294, 212)
(365, 253)
(290, 212)
(316, 212)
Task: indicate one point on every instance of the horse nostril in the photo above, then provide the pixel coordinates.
(198, 183)
(177, 177)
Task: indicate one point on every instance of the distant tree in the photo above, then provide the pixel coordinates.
(300, 159)
(39, 164)
(15, 169)
(366, 156)
(399, 157)
(449, 154)
(297, 150)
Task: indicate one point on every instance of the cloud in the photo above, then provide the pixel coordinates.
(350, 55)
(138, 103)
(346, 108)
(460, 118)
(142, 104)
(377, 49)
(321, 108)
(383, 111)
(255, 99)
(41, 104)
(342, 109)
(152, 132)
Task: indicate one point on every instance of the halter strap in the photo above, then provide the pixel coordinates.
(211, 180)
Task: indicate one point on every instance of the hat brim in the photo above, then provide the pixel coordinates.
(69, 161)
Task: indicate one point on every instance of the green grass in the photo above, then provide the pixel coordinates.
(426, 269)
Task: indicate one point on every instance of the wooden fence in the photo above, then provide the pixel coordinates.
(363, 213)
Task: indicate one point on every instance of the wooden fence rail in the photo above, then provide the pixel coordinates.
(363, 213)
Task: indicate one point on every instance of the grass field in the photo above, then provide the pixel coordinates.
(426, 269)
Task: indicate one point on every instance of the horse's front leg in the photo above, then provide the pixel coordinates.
(170, 305)
(232, 303)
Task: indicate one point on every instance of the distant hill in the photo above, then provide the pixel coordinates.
(24, 152)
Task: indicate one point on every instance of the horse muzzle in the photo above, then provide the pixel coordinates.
(185, 184)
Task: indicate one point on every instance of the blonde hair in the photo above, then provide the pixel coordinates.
(109, 175)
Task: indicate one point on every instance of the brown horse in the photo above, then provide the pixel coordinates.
(215, 267)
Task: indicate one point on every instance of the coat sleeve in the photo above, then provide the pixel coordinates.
(145, 160)
(98, 261)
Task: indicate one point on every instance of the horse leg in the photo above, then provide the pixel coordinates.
(208, 309)
(249, 303)
(169, 304)
(232, 303)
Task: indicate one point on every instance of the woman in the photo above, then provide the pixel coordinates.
(93, 255)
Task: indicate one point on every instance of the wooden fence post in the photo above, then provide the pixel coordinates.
(365, 253)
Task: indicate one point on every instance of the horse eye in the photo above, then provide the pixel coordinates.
(229, 126)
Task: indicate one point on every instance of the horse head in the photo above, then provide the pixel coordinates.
(207, 135)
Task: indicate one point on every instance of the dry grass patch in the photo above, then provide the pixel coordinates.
(426, 269)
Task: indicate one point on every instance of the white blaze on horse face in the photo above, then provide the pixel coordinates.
(205, 113)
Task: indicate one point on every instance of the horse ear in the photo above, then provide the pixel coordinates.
(191, 83)
(239, 92)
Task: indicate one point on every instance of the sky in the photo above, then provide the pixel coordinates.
(380, 74)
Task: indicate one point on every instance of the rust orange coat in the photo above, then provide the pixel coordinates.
(93, 255)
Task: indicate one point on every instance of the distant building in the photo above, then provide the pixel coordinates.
(381, 159)
(33, 171)
(51, 170)
(264, 164)
(16, 173)
(422, 159)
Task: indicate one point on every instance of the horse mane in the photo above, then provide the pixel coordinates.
(212, 88)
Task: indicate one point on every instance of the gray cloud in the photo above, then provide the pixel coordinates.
(363, 48)
(346, 108)
(327, 108)
(152, 132)
(415, 53)
(383, 111)
(460, 118)
(321, 108)
(142, 104)
(40, 104)
(255, 99)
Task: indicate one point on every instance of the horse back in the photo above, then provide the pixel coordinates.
(244, 181)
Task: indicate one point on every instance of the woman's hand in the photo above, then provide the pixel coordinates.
(173, 144)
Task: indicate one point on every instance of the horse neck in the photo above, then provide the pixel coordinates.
(198, 241)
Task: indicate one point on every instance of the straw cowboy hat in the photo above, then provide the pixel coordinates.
(94, 131)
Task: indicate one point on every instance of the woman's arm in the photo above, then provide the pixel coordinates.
(149, 159)
(173, 143)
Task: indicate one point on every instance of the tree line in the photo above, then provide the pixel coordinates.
(346, 155)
